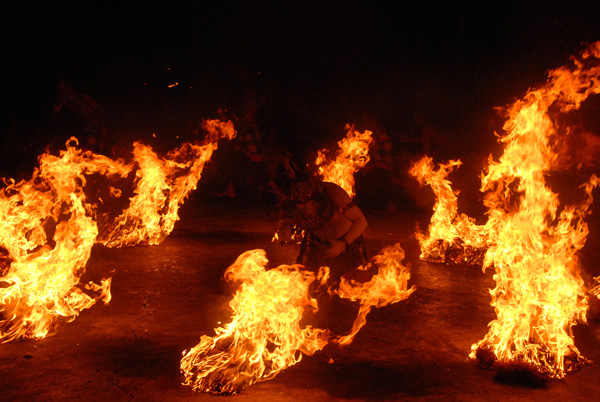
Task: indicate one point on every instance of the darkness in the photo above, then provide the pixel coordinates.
(318, 65)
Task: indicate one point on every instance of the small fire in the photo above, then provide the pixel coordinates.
(265, 335)
(388, 286)
(352, 155)
(452, 237)
(539, 293)
(162, 186)
(48, 226)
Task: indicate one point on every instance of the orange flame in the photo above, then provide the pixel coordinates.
(388, 286)
(539, 293)
(352, 155)
(41, 275)
(264, 336)
(162, 186)
(453, 238)
(40, 285)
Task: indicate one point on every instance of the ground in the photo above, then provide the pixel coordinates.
(165, 297)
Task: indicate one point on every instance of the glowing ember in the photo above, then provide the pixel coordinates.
(48, 226)
(352, 155)
(539, 293)
(264, 336)
(453, 238)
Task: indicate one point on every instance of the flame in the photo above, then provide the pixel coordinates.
(452, 237)
(264, 336)
(352, 155)
(539, 293)
(388, 286)
(162, 186)
(48, 227)
(40, 287)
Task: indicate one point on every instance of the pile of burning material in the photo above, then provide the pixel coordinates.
(49, 224)
(352, 155)
(452, 238)
(265, 335)
(539, 294)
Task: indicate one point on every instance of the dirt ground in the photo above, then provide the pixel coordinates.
(165, 297)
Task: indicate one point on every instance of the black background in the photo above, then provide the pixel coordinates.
(320, 65)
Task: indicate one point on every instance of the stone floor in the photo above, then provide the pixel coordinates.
(165, 297)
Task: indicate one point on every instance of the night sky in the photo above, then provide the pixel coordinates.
(318, 65)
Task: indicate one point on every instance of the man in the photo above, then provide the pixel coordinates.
(333, 229)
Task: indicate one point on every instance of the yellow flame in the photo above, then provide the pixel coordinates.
(48, 227)
(452, 237)
(264, 336)
(539, 293)
(388, 286)
(162, 186)
(352, 155)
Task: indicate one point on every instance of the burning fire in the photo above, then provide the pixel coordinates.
(388, 286)
(48, 226)
(532, 243)
(453, 238)
(162, 186)
(265, 335)
(352, 155)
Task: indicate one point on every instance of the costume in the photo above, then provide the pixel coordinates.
(331, 201)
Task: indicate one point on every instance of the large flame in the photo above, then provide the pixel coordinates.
(48, 227)
(265, 334)
(539, 293)
(452, 237)
(352, 155)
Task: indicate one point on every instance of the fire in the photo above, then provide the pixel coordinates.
(162, 186)
(40, 286)
(352, 155)
(452, 237)
(265, 335)
(539, 293)
(48, 226)
(388, 286)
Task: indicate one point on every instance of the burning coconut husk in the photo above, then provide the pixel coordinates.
(530, 239)
(267, 333)
(49, 224)
(451, 238)
(539, 294)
